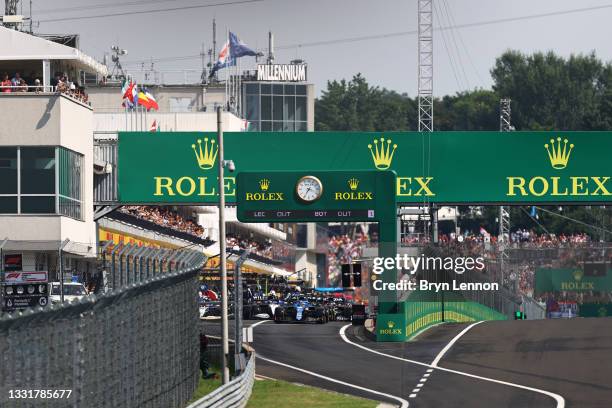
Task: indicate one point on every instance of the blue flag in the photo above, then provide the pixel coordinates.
(224, 60)
(238, 48)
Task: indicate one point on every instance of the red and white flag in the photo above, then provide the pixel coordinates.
(154, 126)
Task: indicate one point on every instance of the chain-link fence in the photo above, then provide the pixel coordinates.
(502, 300)
(134, 346)
(516, 275)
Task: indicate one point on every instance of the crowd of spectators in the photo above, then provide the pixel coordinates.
(63, 84)
(32, 83)
(236, 242)
(165, 217)
(546, 298)
(342, 249)
(527, 251)
(19, 84)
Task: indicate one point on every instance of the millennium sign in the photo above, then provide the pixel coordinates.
(437, 167)
(281, 72)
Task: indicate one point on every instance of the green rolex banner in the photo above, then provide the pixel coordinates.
(571, 279)
(438, 167)
(595, 310)
(391, 327)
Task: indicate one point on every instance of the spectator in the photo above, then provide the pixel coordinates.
(6, 83)
(16, 81)
(37, 86)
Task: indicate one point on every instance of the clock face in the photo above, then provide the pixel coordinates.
(309, 189)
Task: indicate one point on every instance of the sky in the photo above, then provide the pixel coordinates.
(307, 29)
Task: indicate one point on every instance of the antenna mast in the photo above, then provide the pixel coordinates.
(11, 19)
(505, 117)
(270, 48)
(425, 86)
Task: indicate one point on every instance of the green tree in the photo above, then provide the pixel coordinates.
(549, 92)
(355, 105)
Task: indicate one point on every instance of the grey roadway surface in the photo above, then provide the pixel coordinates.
(572, 358)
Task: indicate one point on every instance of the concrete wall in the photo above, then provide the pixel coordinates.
(307, 259)
(173, 122)
(108, 99)
(50, 120)
(29, 119)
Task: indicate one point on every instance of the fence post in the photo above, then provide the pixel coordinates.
(122, 252)
(114, 264)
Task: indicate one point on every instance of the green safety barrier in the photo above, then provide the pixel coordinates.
(424, 309)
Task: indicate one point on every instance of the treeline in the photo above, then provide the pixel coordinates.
(548, 92)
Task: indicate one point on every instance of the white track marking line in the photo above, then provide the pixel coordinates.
(451, 343)
(403, 402)
(426, 374)
(558, 398)
(412, 395)
(258, 323)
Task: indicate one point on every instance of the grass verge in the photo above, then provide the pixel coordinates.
(207, 386)
(276, 393)
(273, 393)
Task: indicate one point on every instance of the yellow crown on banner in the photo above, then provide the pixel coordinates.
(382, 153)
(353, 183)
(558, 155)
(206, 155)
(264, 184)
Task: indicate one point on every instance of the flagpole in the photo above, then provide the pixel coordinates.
(228, 74)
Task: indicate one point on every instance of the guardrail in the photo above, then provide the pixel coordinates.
(136, 346)
(234, 394)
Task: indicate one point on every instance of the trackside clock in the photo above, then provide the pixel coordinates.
(309, 189)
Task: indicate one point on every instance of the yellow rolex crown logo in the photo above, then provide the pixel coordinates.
(558, 155)
(264, 184)
(382, 153)
(577, 274)
(353, 183)
(390, 324)
(206, 155)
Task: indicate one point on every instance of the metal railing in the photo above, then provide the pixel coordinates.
(44, 89)
(135, 346)
(234, 394)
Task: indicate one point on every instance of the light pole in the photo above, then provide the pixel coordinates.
(238, 361)
(224, 303)
(222, 255)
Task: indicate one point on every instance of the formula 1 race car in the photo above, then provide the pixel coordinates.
(343, 309)
(211, 310)
(260, 309)
(298, 309)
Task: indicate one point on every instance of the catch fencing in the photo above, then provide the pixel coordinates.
(134, 346)
(516, 275)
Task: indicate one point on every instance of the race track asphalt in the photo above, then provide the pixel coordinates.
(572, 358)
